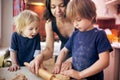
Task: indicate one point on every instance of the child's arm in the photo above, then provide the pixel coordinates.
(97, 67)
(14, 65)
(60, 59)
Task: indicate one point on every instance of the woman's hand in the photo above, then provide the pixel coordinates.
(66, 65)
(35, 64)
(14, 67)
(56, 69)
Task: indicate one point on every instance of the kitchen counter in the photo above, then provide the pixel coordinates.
(7, 75)
(112, 72)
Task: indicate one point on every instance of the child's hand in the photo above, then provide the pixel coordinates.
(66, 65)
(72, 73)
(56, 69)
(14, 67)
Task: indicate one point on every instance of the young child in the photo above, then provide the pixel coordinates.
(89, 45)
(25, 42)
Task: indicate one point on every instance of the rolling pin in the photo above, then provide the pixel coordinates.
(44, 74)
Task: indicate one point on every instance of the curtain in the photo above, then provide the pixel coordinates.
(18, 6)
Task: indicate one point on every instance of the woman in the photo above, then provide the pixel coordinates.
(55, 22)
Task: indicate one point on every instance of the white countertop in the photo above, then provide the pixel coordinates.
(116, 45)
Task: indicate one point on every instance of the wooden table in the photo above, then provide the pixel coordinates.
(48, 64)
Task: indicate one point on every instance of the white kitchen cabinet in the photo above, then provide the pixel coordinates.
(112, 72)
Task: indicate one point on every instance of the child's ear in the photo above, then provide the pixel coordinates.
(94, 19)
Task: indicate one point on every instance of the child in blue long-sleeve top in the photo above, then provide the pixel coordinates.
(89, 45)
(25, 41)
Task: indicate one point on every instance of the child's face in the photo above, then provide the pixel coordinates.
(82, 24)
(58, 8)
(31, 30)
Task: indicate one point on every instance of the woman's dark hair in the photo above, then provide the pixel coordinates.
(47, 13)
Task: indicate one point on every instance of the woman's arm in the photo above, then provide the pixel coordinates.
(60, 59)
(47, 52)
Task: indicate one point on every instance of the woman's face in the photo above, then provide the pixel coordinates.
(58, 8)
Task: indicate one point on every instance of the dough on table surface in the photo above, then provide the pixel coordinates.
(62, 77)
(49, 65)
(2, 79)
(20, 77)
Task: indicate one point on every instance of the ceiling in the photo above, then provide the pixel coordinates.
(36, 0)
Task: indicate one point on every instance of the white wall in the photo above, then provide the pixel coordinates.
(6, 21)
(104, 10)
(100, 5)
(0, 21)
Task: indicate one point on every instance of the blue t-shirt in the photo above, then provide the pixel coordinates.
(25, 48)
(86, 46)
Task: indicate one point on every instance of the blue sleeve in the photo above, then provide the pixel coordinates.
(14, 42)
(103, 43)
(69, 43)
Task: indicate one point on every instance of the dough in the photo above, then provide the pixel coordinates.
(20, 77)
(62, 77)
(49, 65)
(2, 79)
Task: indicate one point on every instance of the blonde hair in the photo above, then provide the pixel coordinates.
(24, 19)
(83, 8)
